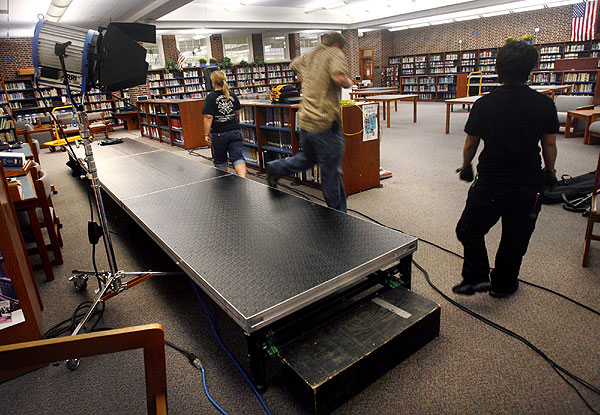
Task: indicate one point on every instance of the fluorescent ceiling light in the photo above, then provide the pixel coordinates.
(56, 10)
(497, 10)
(463, 18)
(412, 26)
(395, 29)
(497, 13)
(435, 22)
(529, 8)
(563, 3)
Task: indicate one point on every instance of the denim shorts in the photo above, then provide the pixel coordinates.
(227, 142)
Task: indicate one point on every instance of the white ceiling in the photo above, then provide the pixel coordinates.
(186, 16)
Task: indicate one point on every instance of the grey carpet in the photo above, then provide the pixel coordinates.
(469, 369)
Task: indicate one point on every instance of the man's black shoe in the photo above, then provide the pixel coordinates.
(467, 288)
(503, 293)
(272, 178)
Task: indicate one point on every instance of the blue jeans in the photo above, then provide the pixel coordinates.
(325, 149)
(227, 142)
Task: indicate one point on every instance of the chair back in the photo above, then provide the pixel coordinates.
(42, 137)
(150, 338)
(43, 189)
(566, 103)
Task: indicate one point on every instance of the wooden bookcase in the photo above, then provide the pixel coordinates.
(178, 122)
(270, 132)
(28, 102)
(17, 266)
(243, 80)
(413, 79)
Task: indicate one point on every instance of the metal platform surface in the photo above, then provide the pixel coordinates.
(260, 253)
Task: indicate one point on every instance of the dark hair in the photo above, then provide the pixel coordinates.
(330, 38)
(515, 62)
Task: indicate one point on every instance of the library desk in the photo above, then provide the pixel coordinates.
(369, 92)
(589, 116)
(464, 101)
(551, 89)
(387, 99)
(129, 118)
(272, 263)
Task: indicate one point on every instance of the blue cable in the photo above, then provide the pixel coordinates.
(227, 351)
(208, 394)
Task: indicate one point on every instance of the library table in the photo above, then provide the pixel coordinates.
(464, 101)
(387, 99)
(589, 116)
(369, 92)
(280, 257)
(129, 118)
(552, 89)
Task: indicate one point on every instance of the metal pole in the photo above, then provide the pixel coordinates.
(92, 175)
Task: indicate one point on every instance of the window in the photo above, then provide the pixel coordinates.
(275, 48)
(308, 41)
(194, 47)
(154, 54)
(237, 48)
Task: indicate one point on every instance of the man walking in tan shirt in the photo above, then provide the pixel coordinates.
(323, 73)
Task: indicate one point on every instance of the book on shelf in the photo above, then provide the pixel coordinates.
(6, 123)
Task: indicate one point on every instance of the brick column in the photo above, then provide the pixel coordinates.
(351, 51)
(15, 53)
(169, 47)
(216, 46)
(257, 46)
(294, 42)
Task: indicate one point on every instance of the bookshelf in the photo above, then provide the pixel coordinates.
(243, 80)
(583, 82)
(413, 79)
(178, 122)
(23, 100)
(7, 126)
(270, 132)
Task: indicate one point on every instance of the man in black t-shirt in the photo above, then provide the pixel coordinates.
(512, 121)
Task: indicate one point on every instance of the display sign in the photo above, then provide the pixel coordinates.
(371, 125)
(10, 308)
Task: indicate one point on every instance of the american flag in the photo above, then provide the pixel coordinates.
(584, 19)
(180, 60)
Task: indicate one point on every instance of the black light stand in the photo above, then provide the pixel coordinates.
(110, 282)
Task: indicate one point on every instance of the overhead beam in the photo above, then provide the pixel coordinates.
(151, 10)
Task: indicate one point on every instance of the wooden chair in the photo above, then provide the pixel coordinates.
(149, 337)
(592, 219)
(98, 124)
(37, 214)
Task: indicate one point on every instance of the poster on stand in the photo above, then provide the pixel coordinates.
(371, 127)
(10, 308)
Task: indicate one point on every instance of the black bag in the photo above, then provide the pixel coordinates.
(571, 188)
(284, 94)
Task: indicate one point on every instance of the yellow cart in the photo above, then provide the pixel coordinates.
(59, 142)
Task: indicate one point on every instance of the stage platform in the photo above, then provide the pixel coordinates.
(276, 264)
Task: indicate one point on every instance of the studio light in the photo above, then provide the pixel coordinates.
(109, 59)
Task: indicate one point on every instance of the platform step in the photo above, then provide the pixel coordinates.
(333, 363)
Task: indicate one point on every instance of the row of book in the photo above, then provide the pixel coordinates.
(7, 137)
(15, 85)
(277, 117)
(580, 77)
(249, 135)
(6, 123)
(99, 106)
(247, 115)
(280, 139)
